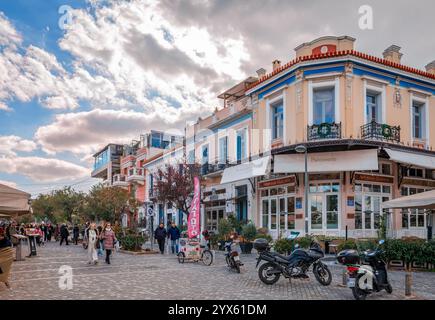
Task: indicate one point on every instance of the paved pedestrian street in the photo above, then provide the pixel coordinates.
(162, 277)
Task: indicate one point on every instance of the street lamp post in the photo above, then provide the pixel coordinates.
(303, 149)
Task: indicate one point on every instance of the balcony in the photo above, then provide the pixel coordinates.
(209, 169)
(378, 131)
(119, 181)
(324, 131)
(136, 175)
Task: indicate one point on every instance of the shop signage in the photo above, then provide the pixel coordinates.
(193, 222)
(298, 203)
(325, 176)
(277, 182)
(299, 216)
(350, 201)
(418, 182)
(351, 215)
(372, 178)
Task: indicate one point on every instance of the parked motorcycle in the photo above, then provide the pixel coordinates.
(366, 278)
(232, 256)
(296, 265)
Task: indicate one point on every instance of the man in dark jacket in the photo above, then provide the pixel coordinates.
(76, 232)
(160, 235)
(174, 235)
(64, 233)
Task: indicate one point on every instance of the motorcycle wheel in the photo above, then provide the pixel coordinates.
(237, 267)
(389, 289)
(181, 257)
(322, 274)
(358, 293)
(227, 259)
(265, 277)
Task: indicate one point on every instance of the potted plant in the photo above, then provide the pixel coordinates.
(249, 232)
(224, 230)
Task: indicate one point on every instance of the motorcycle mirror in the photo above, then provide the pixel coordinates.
(381, 241)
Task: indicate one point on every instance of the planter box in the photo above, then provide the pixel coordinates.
(135, 253)
(246, 247)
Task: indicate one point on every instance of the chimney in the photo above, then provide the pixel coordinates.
(392, 53)
(431, 67)
(261, 72)
(276, 64)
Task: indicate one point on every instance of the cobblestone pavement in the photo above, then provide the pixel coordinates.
(162, 277)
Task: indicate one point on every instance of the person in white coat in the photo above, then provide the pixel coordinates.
(93, 242)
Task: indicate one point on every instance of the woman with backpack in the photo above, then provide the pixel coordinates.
(108, 235)
(92, 236)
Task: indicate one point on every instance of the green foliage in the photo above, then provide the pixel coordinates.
(382, 231)
(224, 228)
(282, 246)
(60, 205)
(130, 239)
(268, 237)
(236, 225)
(409, 251)
(249, 231)
(347, 244)
(304, 242)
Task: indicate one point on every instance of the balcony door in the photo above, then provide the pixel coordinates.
(373, 108)
(324, 106)
(241, 145)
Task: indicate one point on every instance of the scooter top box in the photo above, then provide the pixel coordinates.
(348, 256)
(260, 244)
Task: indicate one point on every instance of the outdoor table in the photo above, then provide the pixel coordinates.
(19, 238)
(32, 244)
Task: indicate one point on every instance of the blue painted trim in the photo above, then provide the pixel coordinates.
(279, 82)
(234, 122)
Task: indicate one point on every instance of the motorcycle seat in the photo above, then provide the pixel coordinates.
(282, 256)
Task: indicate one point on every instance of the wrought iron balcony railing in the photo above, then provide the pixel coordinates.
(324, 131)
(379, 131)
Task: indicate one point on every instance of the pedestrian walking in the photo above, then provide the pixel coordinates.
(108, 236)
(160, 234)
(174, 235)
(101, 249)
(76, 232)
(50, 230)
(92, 237)
(64, 233)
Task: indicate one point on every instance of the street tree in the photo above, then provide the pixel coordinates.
(174, 184)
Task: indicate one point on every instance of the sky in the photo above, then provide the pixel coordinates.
(76, 74)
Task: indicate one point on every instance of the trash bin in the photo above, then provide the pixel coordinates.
(327, 242)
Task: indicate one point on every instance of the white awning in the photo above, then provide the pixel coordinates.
(415, 159)
(356, 160)
(246, 170)
(424, 200)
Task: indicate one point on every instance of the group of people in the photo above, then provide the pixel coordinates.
(172, 233)
(97, 239)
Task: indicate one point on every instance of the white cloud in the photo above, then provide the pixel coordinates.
(8, 183)
(42, 169)
(10, 144)
(85, 132)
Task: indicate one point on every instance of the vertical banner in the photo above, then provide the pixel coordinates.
(193, 222)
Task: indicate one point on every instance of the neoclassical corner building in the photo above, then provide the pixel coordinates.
(366, 123)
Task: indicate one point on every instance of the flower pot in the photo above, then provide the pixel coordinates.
(246, 247)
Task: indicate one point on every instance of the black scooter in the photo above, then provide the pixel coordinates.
(295, 265)
(366, 278)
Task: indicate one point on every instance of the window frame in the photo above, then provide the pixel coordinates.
(312, 86)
